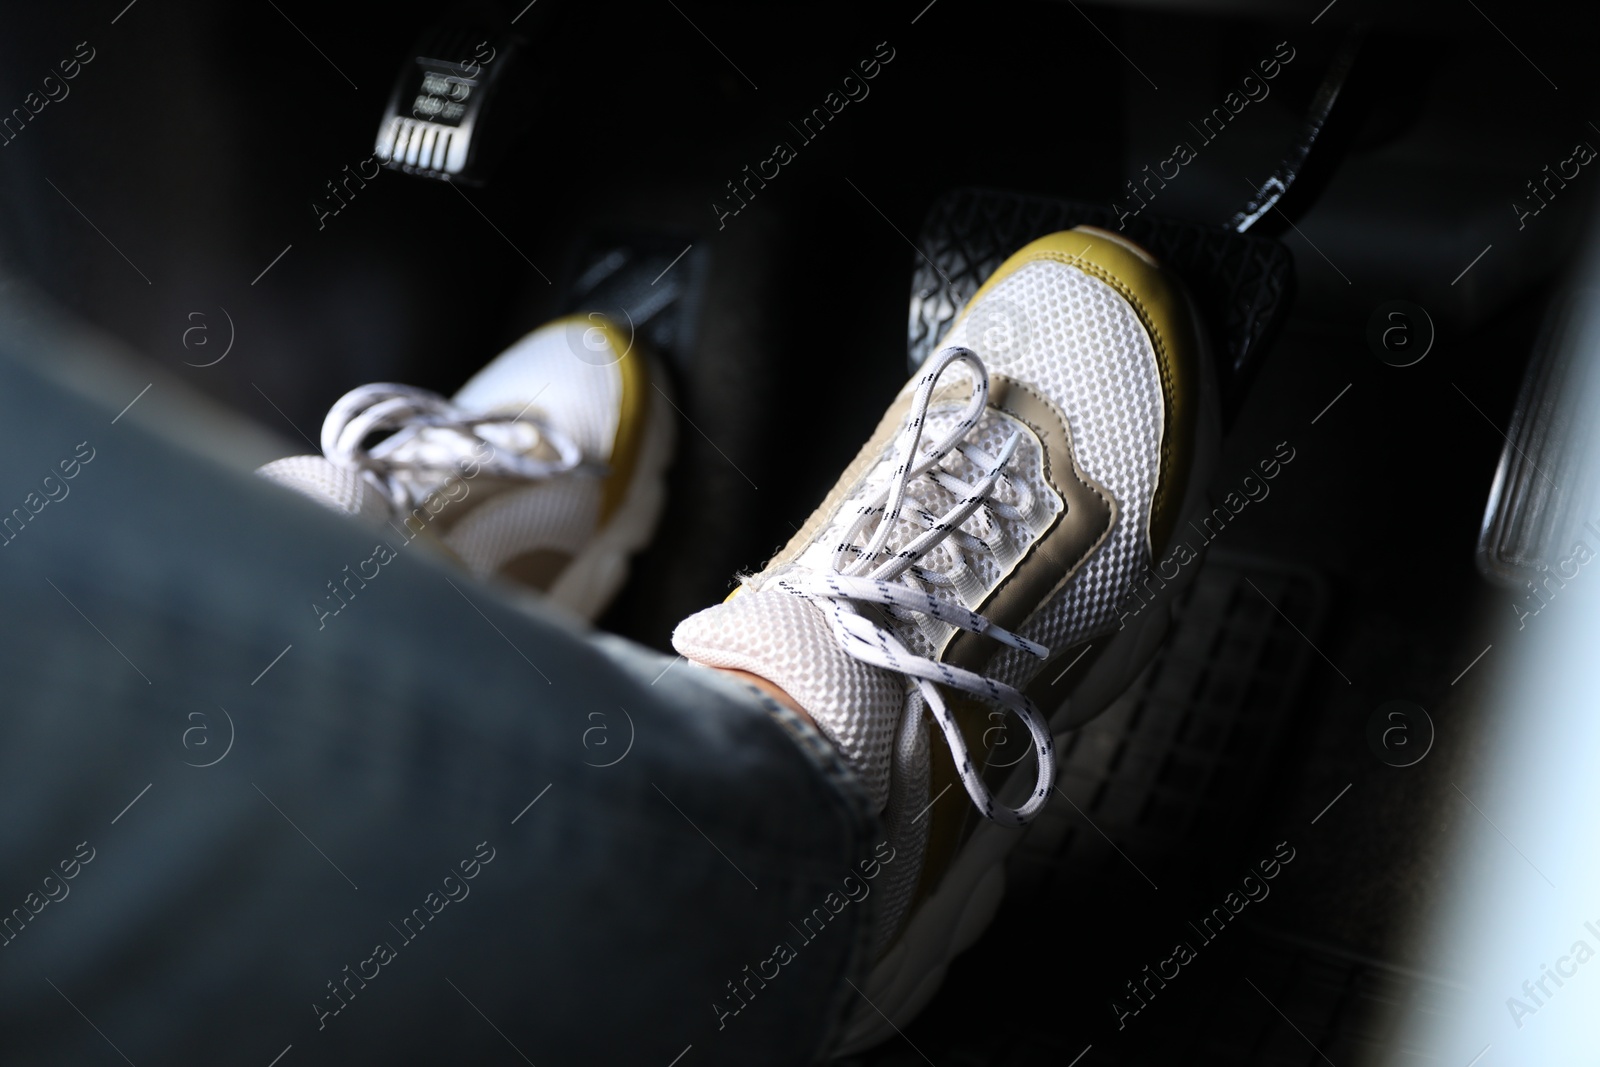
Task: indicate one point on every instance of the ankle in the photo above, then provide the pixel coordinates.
(771, 689)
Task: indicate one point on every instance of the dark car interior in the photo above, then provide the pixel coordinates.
(1380, 211)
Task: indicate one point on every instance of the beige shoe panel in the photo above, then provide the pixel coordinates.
(1159, 302)
(1056, 555)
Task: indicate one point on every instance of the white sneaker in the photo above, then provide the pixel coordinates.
(992, 530)
(546, 467)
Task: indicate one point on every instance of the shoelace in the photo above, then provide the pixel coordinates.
(866, 580)
(391, 465)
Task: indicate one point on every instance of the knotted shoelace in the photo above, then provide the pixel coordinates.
(889, 577)
(391, 465)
